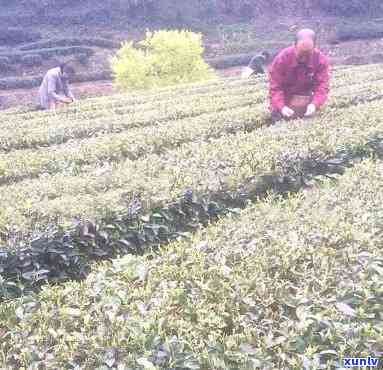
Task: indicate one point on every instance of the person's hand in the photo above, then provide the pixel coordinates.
(65, 100)
(311, 109)
(287, 112)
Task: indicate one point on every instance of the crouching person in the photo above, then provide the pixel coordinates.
(257, 65)
(299, 79)
(54, 90)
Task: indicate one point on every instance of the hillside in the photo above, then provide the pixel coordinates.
(37, 35)
(171, 10)
(246, 245)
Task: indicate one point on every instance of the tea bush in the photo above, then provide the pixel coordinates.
(17, 57)
(30, 82)
(286, 284)
(291, 281)
(360, 32)
(31, 60)
(14, 36)
(81, 41)
(5, 64)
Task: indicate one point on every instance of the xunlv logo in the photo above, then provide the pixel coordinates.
(358, 362)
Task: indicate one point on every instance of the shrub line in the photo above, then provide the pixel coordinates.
(31, 82)
(67, 254)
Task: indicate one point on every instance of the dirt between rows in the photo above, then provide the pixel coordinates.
(29, 97)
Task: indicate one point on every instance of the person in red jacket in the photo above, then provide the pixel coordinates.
(299, 79)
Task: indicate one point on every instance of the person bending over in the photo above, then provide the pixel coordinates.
(54, 90)
(256, 65)
(299, 79)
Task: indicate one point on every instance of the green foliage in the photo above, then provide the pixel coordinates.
(70, 180)
(163, 58)
(289, 283)
(82, 58)
(30, 82)
(14, 36)
(19, 83)
(132, 68)
(173, 10)
(17, 57)
(5, 64)
(66, 255)
(243, 164)
(32, 60)
(351, 7)
(230, 60)
(83, 41)
(360, 31)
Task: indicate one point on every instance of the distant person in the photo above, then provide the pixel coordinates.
(299, 79)
(54, 90)
(256, 65)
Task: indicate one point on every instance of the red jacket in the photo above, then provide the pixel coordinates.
(288, 78)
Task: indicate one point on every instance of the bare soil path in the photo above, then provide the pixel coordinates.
(28, 97)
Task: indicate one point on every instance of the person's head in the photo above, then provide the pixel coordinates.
(266, 55)
(305, 44)
(67, 71)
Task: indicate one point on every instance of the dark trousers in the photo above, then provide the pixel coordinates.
(276, 117)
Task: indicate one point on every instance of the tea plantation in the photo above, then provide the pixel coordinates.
(178, 229)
